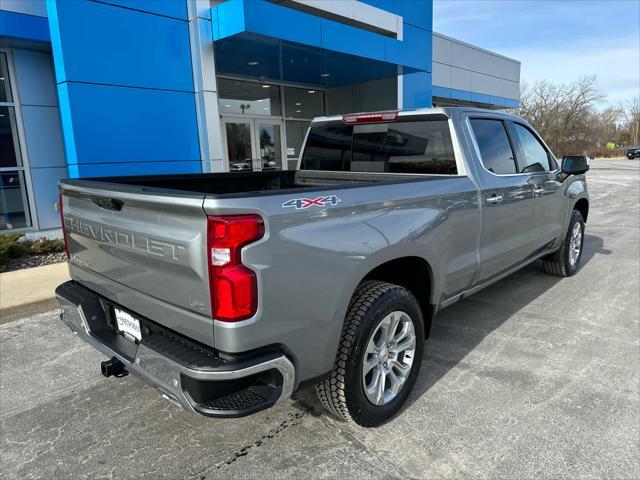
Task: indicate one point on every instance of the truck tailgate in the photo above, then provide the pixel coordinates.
(141, 248)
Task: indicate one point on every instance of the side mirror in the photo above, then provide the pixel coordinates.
(575, 164)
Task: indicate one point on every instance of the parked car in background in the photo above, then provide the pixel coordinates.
(633, 152)
(229, 291)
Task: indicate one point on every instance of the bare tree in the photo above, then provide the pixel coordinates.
(561, 113)
(630, 112)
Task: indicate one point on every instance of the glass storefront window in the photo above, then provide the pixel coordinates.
(9, 146)
(14, 211)
(14, 205)
(5, 88)
(296, 130)
(248, 98)
(303, 103)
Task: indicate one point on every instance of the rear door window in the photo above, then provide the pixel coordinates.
(400, 147)
(495, 148)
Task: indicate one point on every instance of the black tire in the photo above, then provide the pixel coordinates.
(559, 263)
(343, 392)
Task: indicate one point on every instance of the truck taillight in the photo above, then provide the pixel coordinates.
(234, 288)
(64, 232)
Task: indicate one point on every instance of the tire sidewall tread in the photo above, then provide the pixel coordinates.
(342, 392)
(558, 263)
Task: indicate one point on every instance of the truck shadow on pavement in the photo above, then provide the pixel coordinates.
(459, 329)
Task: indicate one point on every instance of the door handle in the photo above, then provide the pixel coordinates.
(538, 192)
(495, 199)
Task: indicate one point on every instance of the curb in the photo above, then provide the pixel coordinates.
(21, 311)
(30, 291)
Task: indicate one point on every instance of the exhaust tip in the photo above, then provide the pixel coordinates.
(113, 367)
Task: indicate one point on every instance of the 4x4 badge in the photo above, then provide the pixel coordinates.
(302, 203)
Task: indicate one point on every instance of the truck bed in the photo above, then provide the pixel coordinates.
(235, 184)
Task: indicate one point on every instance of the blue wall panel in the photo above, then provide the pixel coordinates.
(387, 5)
(168, 8)
(125, 86)
(414, 51)
(354, 41)
(460, 94)
(480, 98)
(416, 90)
(23, 27)
(418, 13)
(267, 19)
(281, 22)
(100, 43)
(119, 124)
(228, 19)
(140, 168)
(455, 94)
(440, 92)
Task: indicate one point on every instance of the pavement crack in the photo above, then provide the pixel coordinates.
(293, 419)
(351, 438)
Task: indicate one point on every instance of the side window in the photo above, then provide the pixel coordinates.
(495, 149)
(536, 158)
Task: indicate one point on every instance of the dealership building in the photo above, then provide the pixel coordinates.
(128, 87)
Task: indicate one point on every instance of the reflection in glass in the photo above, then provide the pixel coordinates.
(14, 212)
(270, 147)
(296, 130)
(248, 98)
(239, 146)
(303, 103)
(5, 88)
(9, 146)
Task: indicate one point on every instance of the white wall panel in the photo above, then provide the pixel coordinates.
(461, 79)
(27, 7)
(441, 75)
(462, 66)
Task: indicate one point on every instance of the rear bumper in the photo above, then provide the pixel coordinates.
(192, 376)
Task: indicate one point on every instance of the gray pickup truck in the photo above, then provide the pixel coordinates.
(229, 291)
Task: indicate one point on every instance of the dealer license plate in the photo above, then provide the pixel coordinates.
(128, 325)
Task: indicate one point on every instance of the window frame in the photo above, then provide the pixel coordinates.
(28, 194)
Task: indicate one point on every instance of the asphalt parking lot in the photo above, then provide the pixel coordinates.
(534, 377)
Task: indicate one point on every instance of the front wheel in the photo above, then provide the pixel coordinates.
(565, 262)
(379, 355)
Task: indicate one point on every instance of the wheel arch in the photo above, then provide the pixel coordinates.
(413, 273)
(582, 205)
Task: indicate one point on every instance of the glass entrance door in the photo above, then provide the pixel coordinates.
(253, 144)
(269, 145)
(238, 134)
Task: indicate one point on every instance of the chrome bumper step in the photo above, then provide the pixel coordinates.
(190, 375)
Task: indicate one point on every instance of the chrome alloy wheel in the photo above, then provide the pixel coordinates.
(575, 243)
(388, 358)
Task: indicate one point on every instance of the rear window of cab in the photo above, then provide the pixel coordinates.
(420, 147)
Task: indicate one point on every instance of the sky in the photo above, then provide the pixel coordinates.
(556, 40)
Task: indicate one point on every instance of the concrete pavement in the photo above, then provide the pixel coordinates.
(534, 377)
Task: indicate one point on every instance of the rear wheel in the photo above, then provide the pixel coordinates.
(379, 355)
(566, 260)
